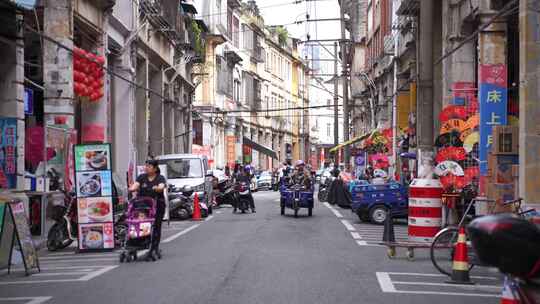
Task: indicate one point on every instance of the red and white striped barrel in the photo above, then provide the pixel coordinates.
(425, 209)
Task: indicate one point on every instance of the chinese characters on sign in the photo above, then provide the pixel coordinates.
(493, 106)
(231, 150)
(8, 153)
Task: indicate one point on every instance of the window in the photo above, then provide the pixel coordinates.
(236, 32)
(183, 168)
(224, 71)
(328, 129)
(229, 22)
(237, 90)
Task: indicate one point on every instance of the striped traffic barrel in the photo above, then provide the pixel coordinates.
(425, 209)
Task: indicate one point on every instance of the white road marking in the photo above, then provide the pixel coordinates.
(78, 256)
(219, 212)
(386, 284)
(366, 244)
(348, 225)
(94, 274)
(31, 300)
(53, 274)
(496, 287)
(209, 218)
(84, 278)
(179, 234)
(277, 200)
(435, 275)
(334, 210)
(356, 235)
(81, 260)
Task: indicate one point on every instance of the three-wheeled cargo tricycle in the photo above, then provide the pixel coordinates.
(296, 197)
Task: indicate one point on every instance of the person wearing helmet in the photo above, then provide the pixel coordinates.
(246, 177)
(300, 175)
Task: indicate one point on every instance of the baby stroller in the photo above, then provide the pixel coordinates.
(140, 225)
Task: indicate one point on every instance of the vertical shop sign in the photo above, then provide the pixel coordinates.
(493, 106)
(231, 150)
(93, 178)
(8, 153)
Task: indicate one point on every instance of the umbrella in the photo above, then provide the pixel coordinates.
(452, 125)
(473, 121)
(470, 141)
(447, 167)
(451, 153)
(451, 112)
(448, 139)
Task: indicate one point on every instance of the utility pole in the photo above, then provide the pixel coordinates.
(336, 112)
(394, 167)
(347, 154)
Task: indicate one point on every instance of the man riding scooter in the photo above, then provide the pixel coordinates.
(245, 177)
(301, 176)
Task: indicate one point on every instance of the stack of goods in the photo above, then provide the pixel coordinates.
(503, 169)
(457, 156)
(88, 74)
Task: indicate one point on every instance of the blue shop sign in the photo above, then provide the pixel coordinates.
(493, 112)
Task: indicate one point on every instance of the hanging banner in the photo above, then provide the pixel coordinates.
(94, 196)
(493, 107)
(8, 153)
(231, 150)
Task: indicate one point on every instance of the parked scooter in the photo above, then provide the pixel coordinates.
(244, 196)
(181, 203)
(226, 194)
(322, 195)
(64, 230)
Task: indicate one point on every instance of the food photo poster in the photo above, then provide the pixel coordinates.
(94, 184)
(96, 236)
(92, 157)
(95, 209)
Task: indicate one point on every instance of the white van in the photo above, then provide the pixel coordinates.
(189, 170)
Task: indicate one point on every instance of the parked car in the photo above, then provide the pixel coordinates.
(264, 181)
(189, 170)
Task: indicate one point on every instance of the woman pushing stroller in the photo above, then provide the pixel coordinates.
(152, 184)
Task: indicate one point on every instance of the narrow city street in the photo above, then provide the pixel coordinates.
(252, 258)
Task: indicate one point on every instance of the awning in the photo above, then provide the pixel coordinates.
(350, 142)
(259, 147)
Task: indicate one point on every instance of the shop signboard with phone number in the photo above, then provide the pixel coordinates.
(94, 196)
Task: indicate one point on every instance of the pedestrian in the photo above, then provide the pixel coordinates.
(152, 184)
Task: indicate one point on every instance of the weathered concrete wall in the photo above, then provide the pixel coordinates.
(529, 95)
(12, 86)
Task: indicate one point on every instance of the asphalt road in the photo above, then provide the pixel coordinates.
(252, 258)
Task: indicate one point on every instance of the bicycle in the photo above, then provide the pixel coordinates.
(442, 246)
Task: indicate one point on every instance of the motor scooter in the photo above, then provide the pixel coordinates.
(226, 194)
(64, 231)
(244, 196)
(181, 203)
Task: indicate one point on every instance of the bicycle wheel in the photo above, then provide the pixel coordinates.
(442, 250)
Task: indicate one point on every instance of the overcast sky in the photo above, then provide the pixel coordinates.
(283, 12)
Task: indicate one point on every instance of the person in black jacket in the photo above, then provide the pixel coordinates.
(338, 192)
(152, 184)
(246, 177)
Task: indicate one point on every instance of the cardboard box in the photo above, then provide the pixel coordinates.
(501, 193)
(500, 168)
(505, 140)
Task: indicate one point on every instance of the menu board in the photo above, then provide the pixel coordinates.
(94, 196)
(92, 157)
(96, 236)
(22, 229)
(94, 184)
(95, 209)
